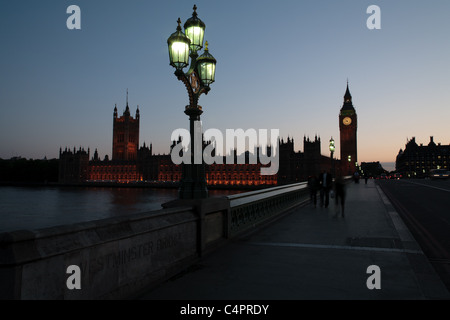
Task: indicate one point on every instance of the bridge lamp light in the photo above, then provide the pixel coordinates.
(332, 146)
(206, 67)
(194, 28)
(184, 46)
(178, 48)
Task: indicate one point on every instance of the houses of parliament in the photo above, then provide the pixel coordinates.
(131, 163)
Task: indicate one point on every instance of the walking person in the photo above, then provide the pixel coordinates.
(325, 181)
(313, 186)
(356, 177)
(339, 194)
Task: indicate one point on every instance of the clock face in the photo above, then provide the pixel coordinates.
(347, 121)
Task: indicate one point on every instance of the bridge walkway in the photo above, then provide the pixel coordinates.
(315, 253)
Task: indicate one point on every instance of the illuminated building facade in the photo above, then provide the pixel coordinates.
(117, 171)
(416, 161)
(131, 163)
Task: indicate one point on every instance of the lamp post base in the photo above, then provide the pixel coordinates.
(193, 184)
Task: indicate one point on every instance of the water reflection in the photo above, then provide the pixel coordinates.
(34, 208)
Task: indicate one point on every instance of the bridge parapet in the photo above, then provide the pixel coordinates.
(250, 209)
(120, 257)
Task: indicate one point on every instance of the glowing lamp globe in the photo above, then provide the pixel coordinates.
(178, 48)
(332, 146)
(194, 28)
(206, 67)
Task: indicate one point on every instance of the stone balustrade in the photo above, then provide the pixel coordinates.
(121, 257)
(250, 209)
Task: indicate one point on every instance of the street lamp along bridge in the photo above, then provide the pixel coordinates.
(182, 47)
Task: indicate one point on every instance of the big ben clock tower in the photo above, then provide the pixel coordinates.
(347, 128)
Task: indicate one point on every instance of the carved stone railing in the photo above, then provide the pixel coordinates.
(250, 209)
(119, 257)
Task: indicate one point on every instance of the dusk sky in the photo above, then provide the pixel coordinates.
(280, 65)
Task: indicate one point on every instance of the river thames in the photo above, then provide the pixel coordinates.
(30, 208)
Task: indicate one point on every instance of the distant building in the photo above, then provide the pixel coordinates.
(112, 170)
(372, 169)
(298, 166)
(125, 135)
(417, 160)
(73, 165)
(348, 134)
(131, 163)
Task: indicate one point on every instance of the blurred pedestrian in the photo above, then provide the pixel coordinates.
(339, 195)
(313, 187)
(326, 181)
(356, 177)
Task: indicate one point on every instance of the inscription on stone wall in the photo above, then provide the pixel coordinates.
(125, 256)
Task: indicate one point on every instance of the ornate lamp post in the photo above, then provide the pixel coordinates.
(182, 46)
(349, 160)
(332, 148)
